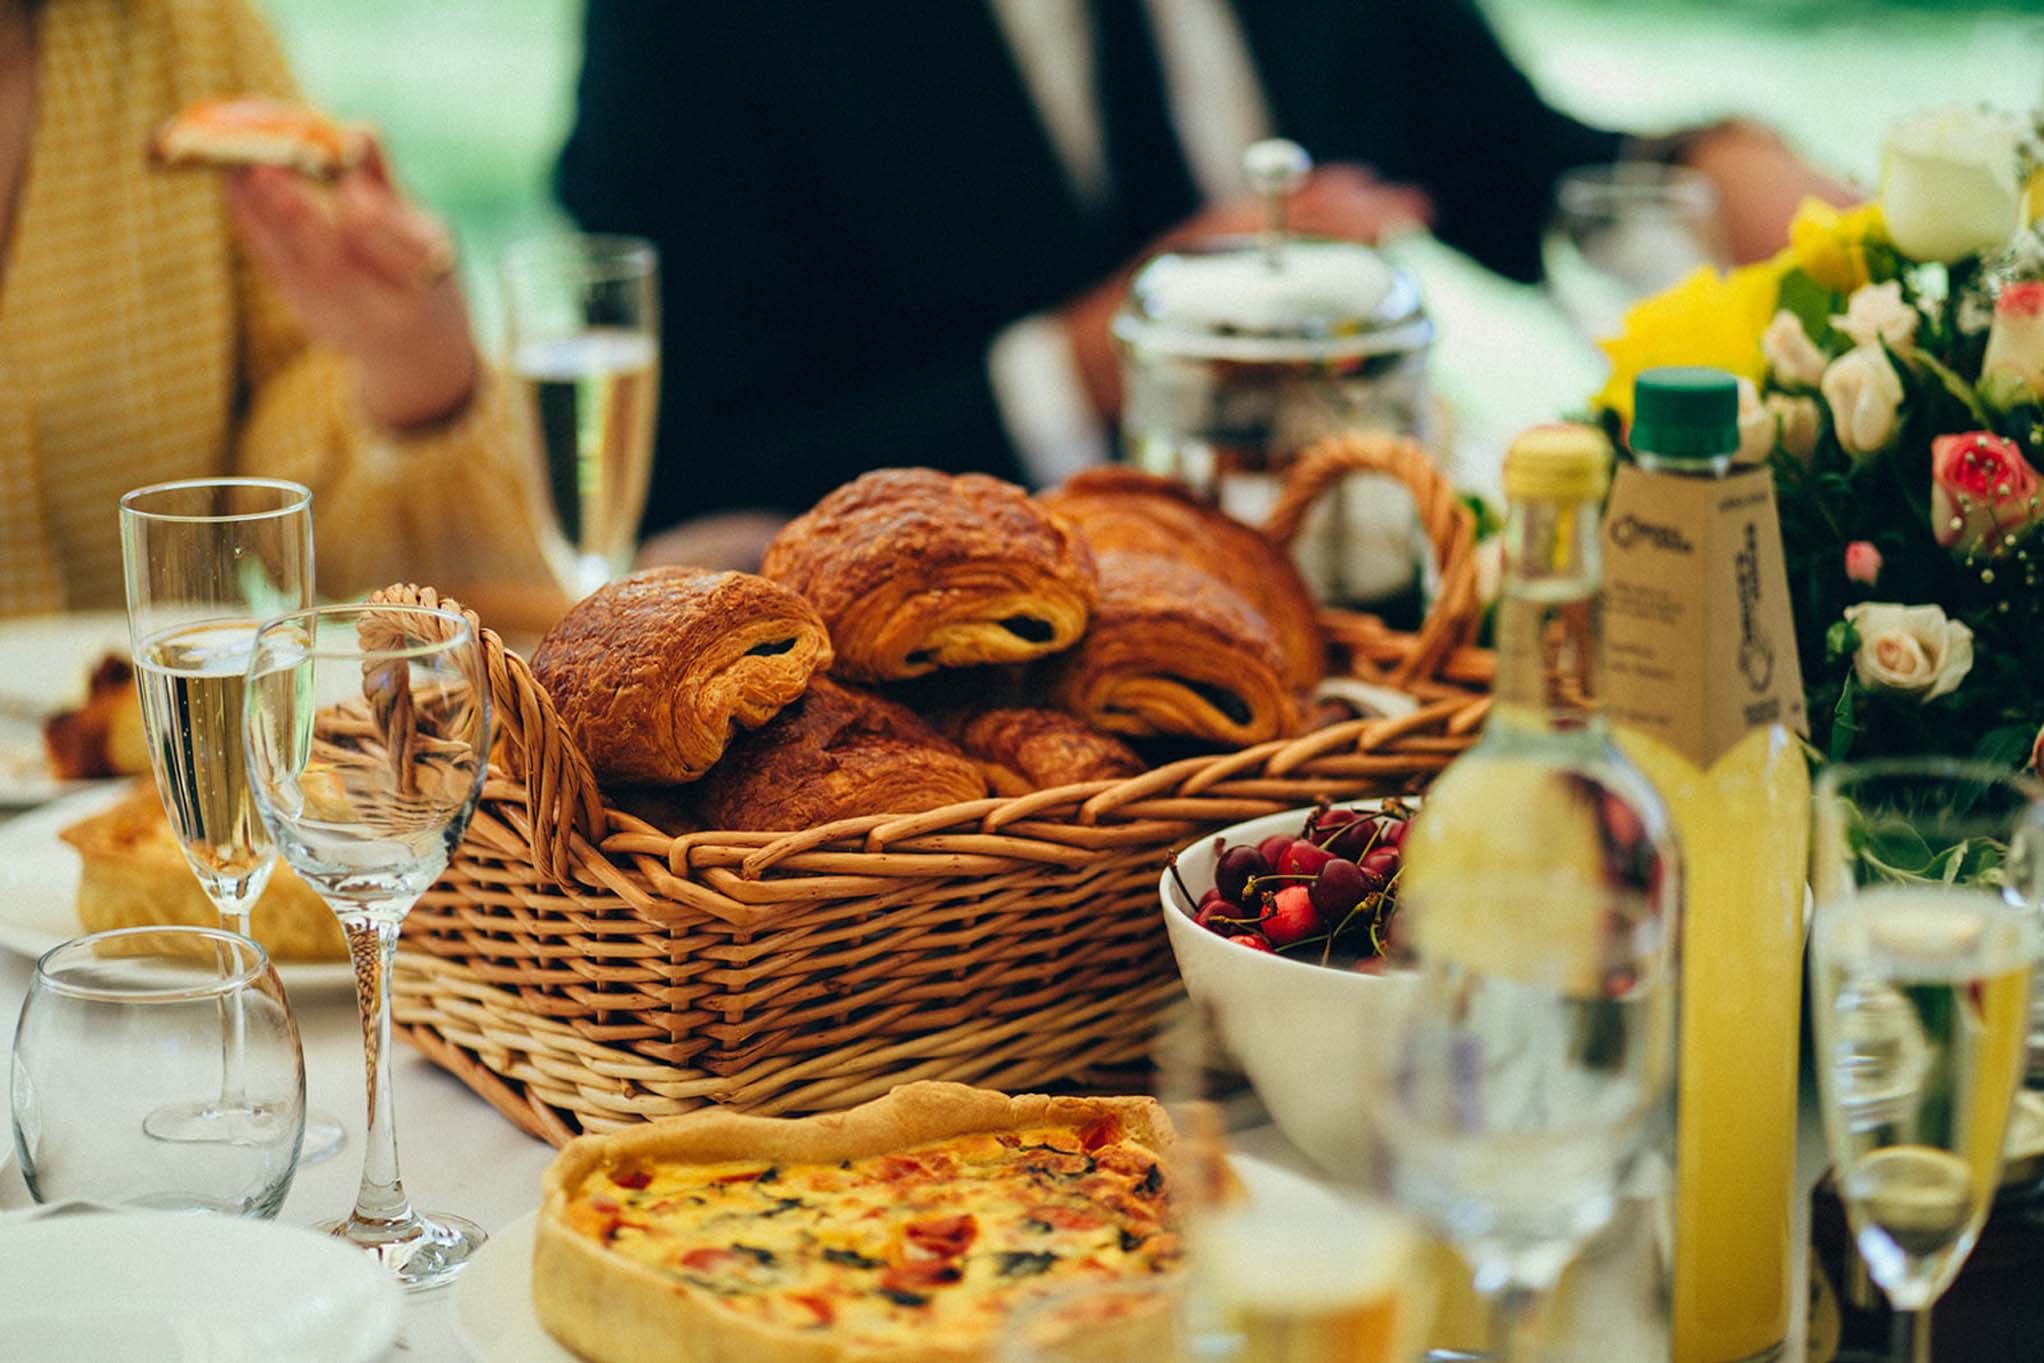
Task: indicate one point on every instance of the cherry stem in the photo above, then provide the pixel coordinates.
(1171, 864)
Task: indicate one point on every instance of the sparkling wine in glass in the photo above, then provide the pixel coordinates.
(205, 561)
(584, 346)
(1921, 960)
(1526, 1080)
(368, 733)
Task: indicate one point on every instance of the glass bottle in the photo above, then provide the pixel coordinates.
(1706, 698)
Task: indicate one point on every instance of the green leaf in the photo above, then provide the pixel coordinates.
(1814, 305)
(1845, 720)
(1841, 640)
(1951, 382)
(2006, 746)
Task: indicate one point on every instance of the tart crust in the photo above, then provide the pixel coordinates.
(611, 1309)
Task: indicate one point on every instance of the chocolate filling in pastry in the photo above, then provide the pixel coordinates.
(770, 650)
(1030, 629)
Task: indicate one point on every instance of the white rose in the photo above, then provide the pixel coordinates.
(1757, 429)
(1876, 313)
(2012, 371)
(1912, 649)
(1798, 420)
(1865, 395)
(1948, 182)
(1790, 352)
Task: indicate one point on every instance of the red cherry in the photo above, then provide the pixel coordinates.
(1339, 888)
(1327, 820)
(1223, 916)
(1274, 847)
(1359, 837)
(1394, 831)
(1254, 941)
(1302, 858)
(1380, 865)
(1370, 965)
(1236, 868)
(1210, 896)
(1291, 916)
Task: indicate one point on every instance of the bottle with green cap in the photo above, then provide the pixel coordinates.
(1707, 699)
(1545, 796)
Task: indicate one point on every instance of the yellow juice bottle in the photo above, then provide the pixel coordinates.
(1706, 696)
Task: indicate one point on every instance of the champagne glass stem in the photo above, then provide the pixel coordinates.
(1514, 1323)
(372, 943)
(234, 917)
(1912, 1336)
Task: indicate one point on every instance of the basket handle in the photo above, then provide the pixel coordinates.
(1449, 525)
(561, 798)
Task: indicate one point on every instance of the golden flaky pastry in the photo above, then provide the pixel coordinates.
(1174, 650)
(254, 131)
(1022, 749)
(655, 672)
(908, 1229)
(915, 570)
(133, 876)
(1122, 510)
(835, 754)
(102, 737)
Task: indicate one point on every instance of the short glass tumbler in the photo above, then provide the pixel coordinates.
(121, 1024)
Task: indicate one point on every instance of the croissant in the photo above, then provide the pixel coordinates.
(835, 754)
(914, 570)
(254, 131)
(1175, 650)
(654, 672)
(1123, 510)
(1021, 749)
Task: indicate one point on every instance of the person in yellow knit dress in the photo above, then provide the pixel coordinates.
(155, 325)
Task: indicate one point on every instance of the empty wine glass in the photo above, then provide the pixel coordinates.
(1528, 1076)
(205, 561)
(120, 1025)
(1921, 962)
(1619, 233)
(583, 321)
(368, 732)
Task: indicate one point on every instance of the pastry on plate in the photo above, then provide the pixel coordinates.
(837, 753)
(1123, 510)
(102, 737)
(655, 672)
(250, 130)
(1022, 749)
(907, 1229)
(914, 570)
(132, 875)
(1173, 650)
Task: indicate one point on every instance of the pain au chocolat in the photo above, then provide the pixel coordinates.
(913, 570)
(835, 754)
(1123, 510)
(1021, 749)
(655, 672)
(1175, 650)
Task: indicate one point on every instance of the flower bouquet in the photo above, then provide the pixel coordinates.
(1892, 372)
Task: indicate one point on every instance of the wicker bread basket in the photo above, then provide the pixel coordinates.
(582, 970)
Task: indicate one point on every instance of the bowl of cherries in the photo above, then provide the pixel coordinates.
(1284, 929)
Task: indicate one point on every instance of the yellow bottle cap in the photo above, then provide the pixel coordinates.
(1559, 463)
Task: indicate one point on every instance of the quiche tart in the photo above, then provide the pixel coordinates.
(905, 1229)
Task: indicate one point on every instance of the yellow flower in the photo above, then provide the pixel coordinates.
(1706, 319)
(1830, 245)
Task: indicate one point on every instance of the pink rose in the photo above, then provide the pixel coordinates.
(1862, 562)
(1982, 491)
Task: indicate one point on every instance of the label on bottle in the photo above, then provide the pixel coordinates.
(1699, 638)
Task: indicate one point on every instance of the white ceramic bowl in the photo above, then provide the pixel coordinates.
(1308, 1036)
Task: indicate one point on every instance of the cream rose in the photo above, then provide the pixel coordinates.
(2012, 371)
(1948, 182)
(1877, 313)
(1915, 650)
(1865, 396)
(1757, 428)
(1790, 352)
(1799, 421)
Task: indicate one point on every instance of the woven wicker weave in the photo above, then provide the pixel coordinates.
(583, 970)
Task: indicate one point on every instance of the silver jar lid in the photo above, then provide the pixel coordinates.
(1276, 297)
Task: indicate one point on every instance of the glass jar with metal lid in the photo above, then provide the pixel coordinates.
(1239, 351)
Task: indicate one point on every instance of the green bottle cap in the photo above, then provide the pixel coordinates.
(1685, 413)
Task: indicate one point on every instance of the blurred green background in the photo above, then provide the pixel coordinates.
(474, 97)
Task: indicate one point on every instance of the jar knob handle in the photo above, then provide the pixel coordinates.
(1275, 166)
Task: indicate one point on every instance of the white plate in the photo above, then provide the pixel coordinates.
(156, 1287)
(44, 661)
(39, 887)
(493, 1312)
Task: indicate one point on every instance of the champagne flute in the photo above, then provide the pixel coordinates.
(1921, 961)
(582, 314)
(368, 733)
(205, 561)
(1528, 1077)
